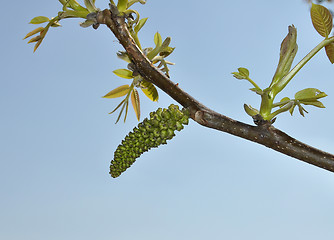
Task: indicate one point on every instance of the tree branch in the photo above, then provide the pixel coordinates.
(264, 133)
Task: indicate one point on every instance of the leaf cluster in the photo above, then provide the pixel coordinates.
(156, 55)
(70, 9)
(322, 21)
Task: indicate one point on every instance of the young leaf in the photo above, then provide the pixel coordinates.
(309, 94)
(140, 24)
(122, 109)
(76, 6)
(165, 43)
(283, 107)
(120, 104)
(37, 44)
(330, 52)
(134, 1)
(122, 5)
(285, 99)
(126, 110)
(157, 39)
(90, 5)
(39, 19)
(35, 39)
(33, 32)
(124, 56)
(242, 74)
(250, 110)
(123, 73)
(301, 110)
(151, 53)
(149, 90)
(322, 19)
(315, 103)
(166, 52)
(136, 103)
(118, 92)
(257, 90)
(288, 52)
(281, 103)
(292, 109)
(87, 23)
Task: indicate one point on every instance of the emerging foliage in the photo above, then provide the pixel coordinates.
(71, 9)
(323, 22)
(157, 55)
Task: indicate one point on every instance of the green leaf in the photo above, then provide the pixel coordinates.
(281, 103)
(120, 104)
(37, 44)
(87, 23)
(122, 5)
(315, 103)
(149, 90)
(140, 24)
(73, 14)
(166, 52)
(292, 109)
(242, 74)
(136, 103)
(158, 42)
(285, 99)
(35, 39)
(39, 19)
(157, 39)
(90, 5)
(288, 52)
(301, 110)
(250, 110)
(165, 43)
(322, 19)
(309, 94)
(126, 103)
(126, 110)
(135, 1)
(76, 6)
(257, 90)
(124, 56)
(123, 73)
(33, 32)
(330, 52)
(118, 92)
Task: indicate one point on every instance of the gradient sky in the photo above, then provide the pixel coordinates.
(57, 138)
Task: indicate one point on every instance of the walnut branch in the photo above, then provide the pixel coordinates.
(264, 133)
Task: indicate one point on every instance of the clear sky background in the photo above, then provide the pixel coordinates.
(57, 138)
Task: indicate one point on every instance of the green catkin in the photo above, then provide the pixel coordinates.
(150, 133)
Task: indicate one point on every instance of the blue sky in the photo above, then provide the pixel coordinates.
(57, 138)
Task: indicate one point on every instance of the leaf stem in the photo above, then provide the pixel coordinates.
(285, 80)
(253, 83)
(285, 108)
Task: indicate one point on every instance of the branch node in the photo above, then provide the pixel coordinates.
(199, 117)
(259, 121)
